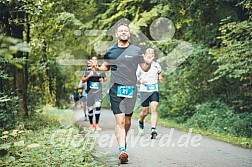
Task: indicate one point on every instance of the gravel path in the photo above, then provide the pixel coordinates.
(172, 148)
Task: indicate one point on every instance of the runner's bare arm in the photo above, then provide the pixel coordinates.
(139, 79)
(160, 77)
(104, 67)
(147, 62)
(145, 67)
(85, 78)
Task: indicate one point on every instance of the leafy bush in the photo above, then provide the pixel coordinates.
(188, 85)
(40, 141)
(8, 112)
(38, 121)
(218, 117)
(243, 125)
(50, 147)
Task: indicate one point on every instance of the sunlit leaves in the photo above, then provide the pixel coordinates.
(9, 46)
(19, 143)
(234, 57)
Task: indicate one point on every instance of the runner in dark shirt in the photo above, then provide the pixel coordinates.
(94, 81)
(123, 59)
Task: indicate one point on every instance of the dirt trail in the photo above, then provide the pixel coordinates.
(172, 148)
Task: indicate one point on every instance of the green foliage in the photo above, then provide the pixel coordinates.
(46, 143)
(10, 46)
(218, 117)
(8, 100)
(212, 115)
(41, 121)
(234, 60)
(8, 112)
(50, 81)
(47, 146)
(187, 86)
(219, 69)
(243, 125)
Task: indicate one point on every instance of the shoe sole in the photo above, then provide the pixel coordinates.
(123, 158)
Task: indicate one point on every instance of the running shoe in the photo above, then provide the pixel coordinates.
(91, 127)
(140, 127)
(153, 134)
(123, 156)
(97, 127)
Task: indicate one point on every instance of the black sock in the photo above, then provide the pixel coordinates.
(97, 117)
(90, 116)
(97, 114)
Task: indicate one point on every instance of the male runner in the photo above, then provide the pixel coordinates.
(149, 93)
(123, 59)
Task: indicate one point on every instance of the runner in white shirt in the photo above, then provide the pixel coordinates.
(149, 93)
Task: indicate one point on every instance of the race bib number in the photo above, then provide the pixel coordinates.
(94, 85)
(125, 91)
(151, 87)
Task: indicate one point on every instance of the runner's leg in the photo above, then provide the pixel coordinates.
(154, 114)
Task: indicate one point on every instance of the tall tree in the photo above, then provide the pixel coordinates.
(13, 17)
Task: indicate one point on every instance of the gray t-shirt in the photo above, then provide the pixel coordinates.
(123, 63)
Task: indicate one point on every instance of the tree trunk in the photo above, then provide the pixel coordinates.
(26, 74)
(20, 77)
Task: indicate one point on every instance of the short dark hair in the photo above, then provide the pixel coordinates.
(149, 49)
(122, 24)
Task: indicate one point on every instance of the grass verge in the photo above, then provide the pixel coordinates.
(42, 141)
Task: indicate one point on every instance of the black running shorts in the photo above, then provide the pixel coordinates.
(148, 97)
(121, 104)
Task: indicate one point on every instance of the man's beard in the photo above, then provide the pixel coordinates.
(124, 40)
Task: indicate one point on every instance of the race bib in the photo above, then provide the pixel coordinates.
(125, 91)
(151, 87)
(94, 85)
